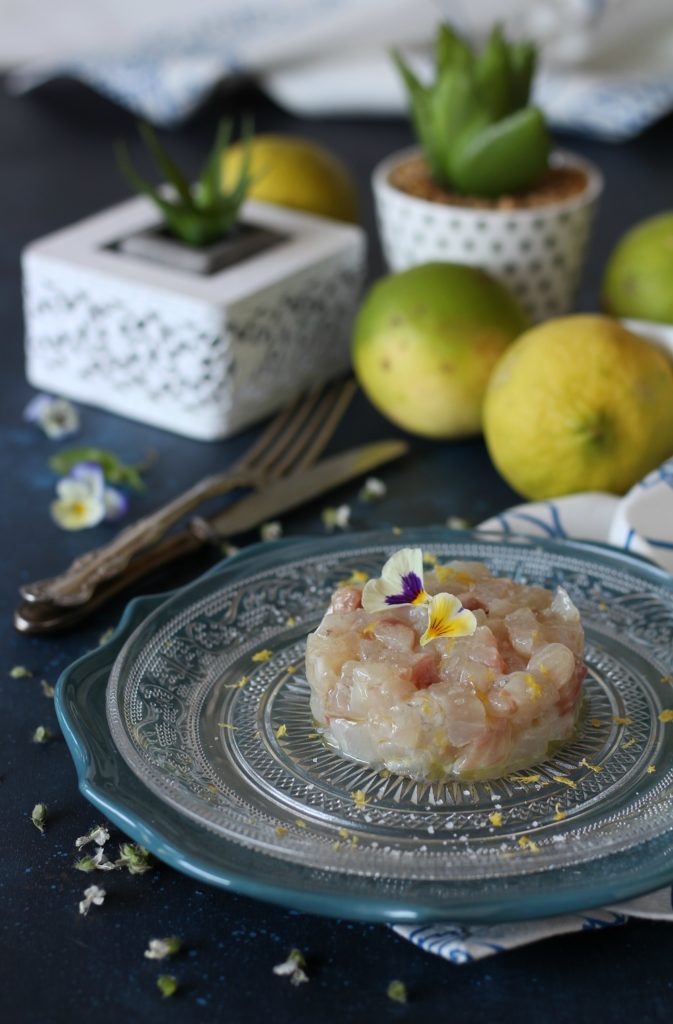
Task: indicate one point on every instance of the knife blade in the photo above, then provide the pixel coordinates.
(249, 511)
(297, 489)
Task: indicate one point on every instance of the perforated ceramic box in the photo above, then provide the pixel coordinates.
(199, 355)
(538, 252)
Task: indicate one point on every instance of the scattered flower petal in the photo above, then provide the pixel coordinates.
(618, 720)
(167, 985)
(39, 816)
(159, 949)
(97, 861)
(448, 618)
(20, 672)
(56, 416)
(336, 518)
(229, 549)
(293, 968)
(42, 734)
(98, 835)
(93, 896)
(239, 685)
(135, 858)
(47, 689)
(592, 767)
(528, 844)
(281, 731)
(400, 583)
(495, 819)
(666, 715)
(397, 991)
(373, 489)
(457, 523)
(559, 815)
(271, 531)
(565, 781)
(116, 504)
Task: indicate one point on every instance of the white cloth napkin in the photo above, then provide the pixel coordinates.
(606, 68)
(641, 522)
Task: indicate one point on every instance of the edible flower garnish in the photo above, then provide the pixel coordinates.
(20, 672)
(42, 734)
(336, 518)
(167, 985)
(39, 816)
(93, 896)
(448, 618)
(56, 416)
(293, 968)
(159, 949)
(98, 835)
(401, 583)
(372, 490)
(83, 500)
(271, 531)
(135, 858)
(397, 991)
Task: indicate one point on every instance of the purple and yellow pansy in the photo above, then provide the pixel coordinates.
(401, 583)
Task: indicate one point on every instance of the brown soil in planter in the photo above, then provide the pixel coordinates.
(557, 185)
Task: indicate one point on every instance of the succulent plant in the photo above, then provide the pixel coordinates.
(201, 213)
(474, 124)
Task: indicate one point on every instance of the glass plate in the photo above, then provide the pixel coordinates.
(220, 744)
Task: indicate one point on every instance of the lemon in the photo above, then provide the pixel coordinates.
(638, 279)
(576, 404)
(295, 172)
(425, 343)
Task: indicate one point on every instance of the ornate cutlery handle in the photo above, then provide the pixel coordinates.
(76, 585)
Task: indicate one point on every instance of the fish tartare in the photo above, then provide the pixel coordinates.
(447, 672)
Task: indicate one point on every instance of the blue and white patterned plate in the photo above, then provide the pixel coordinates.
(208, 755)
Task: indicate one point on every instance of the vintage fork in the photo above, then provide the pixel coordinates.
(292, 442)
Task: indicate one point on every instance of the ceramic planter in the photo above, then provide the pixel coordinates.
(197, 353)
(537, 252)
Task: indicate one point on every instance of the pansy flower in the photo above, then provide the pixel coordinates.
(83, 500)
(448, 619)
(401, 582)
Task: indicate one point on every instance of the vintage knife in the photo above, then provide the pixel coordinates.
(251, 510)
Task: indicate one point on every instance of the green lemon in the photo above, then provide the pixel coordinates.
(425, 343)
(579, 404)
(638, 279)
(296, 172)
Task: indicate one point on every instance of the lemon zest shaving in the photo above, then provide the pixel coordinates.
(290, 669)
(290, 621)
(528, 844)
(344, 833)
(559, 815)
(629, 743)
(495, 818)
(666, 715)
(651, 768)
(596, 723)
(359, 798)
(280, 831)
(592, 767)
(262, 655)
(666, 679)
(300, 823)
(239, 685)
(281, 731)
(533, 686)
(524, 778)
(227, 725)
(565, 781)
(397, 530)
(618, 720)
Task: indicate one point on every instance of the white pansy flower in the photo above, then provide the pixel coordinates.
(80, 501)
(93, 896)
(56, 416)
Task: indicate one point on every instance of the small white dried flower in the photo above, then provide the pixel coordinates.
(98, 835)
(47, 689)
(229, 549)
(106, 636)
(39, 816)
(337, 518)
(159, 949)
(271, 531)
(373, 489)
(97, 861)
(56, 416)
(93, 896)
(293, 968)
(20, 672)
(42, 734)
(457, 523)
(135, 858)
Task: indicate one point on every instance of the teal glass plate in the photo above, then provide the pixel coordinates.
(191, 730)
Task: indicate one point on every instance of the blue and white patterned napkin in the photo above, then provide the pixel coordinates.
(607, 65)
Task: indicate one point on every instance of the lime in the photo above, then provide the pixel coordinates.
(577, 404)
(295, 172)
(426, 341)
(638, 280)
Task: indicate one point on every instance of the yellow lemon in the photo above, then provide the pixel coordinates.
(426, 341)
(295, 172)
(638, 280)
(576, 404)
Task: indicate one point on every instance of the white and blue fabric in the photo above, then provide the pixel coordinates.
(606, 68)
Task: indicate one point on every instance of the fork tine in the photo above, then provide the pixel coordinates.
(275, 426)
(319, 429)
(302, 413)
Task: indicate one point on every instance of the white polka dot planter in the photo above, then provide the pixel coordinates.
(538, 252)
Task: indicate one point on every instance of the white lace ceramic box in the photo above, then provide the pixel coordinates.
(200, 354)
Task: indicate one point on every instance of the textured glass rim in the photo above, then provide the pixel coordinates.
(548, 858)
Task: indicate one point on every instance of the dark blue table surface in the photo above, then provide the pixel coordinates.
(55, 167)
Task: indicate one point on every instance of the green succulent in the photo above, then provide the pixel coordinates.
(474, 124)
(201, 213)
